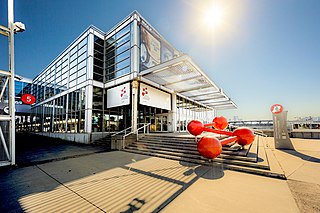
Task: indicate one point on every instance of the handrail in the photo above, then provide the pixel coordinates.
(259, 133)
(125, 130)
(132, 132)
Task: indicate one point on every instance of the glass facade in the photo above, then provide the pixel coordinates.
(21, 87)
(117, 53)
(98, 67)
(158, 118)
(71, 92)
(188, 110)
(66, 113)
(62, 113)
(68, 71)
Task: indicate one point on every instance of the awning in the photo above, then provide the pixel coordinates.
(184, 77)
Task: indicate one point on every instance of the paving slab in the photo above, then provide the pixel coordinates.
(306, 196)
(234, 192)
(301, 167)
(33, 149)
(140, 184)
(59, 199)
(125, 182)
(77, 168)
(302, 163)
(109, 182)
(31, 190)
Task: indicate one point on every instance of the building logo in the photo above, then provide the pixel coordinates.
(123, 92)
(28, 99)
(145, 94)
(123, 95)
(276, 108)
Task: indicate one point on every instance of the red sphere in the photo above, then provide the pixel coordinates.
(209, 147)
(245, 136)
(220, 122)
(195, 127)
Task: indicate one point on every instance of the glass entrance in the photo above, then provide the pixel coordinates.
(161, 123)
(158, 118)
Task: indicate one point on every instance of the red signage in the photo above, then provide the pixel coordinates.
(276, 108)
(28, 99)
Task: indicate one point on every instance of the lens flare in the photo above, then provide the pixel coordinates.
(213, 16)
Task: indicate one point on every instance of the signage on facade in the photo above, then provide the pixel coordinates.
(118, 96)
(150, 49)
(276, 108)
(150, 96)
(153, 49)
(28, 99)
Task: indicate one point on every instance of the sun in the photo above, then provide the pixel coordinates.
(213, 16)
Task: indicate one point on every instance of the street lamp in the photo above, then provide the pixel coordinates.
(18, 27)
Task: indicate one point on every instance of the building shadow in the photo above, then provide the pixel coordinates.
(31, 177)
(301, 155)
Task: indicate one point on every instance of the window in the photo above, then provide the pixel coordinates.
(98, 59)
(117, 55)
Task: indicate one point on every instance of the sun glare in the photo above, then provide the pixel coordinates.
(213, 16)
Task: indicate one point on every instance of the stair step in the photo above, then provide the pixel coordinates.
(179, 136)
(192, 146)
(250, 170)
(192, 150)
(251, 159)
(198, 157)
(195, 152)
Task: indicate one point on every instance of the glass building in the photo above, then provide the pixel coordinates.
(22, 113)
(22, 86)
(107, 82)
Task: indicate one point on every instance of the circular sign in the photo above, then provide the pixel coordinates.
(28, 99)
(276, 108)
(6, 109)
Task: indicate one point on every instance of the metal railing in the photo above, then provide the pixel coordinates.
(260, 133)
(122, 131)
(145, 129)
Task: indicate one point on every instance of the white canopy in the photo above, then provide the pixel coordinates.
(184, 77)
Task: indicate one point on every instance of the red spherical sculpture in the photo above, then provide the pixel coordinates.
(209, 147)
(244, 136)
(195, 127)
(220, 122)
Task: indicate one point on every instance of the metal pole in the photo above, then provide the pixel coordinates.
(11, 85)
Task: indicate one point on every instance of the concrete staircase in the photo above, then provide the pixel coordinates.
(252, 159)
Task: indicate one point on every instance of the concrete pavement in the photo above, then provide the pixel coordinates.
(104, 182)
(124, 182)
(235, 192)
(302, 169)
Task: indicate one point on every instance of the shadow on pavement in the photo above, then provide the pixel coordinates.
(301, 155)
(34, 149)
(26, 177)
(29, 187)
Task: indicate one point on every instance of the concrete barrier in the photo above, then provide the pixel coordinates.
(74, 137)
(306, 133)
(98, 135)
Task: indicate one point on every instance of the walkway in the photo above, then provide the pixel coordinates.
(124, 182)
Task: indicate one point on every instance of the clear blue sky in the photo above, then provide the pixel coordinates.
(263, 52)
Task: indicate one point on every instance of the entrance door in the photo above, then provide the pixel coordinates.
(161, 123)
